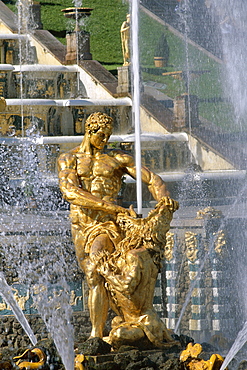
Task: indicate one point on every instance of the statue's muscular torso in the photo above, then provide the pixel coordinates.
(100, 175)
(93, 181)
(93, 177)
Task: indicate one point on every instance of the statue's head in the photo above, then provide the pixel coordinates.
(98, 129)
(98, 121)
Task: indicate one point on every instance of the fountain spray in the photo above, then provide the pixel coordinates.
(136, 99)
(6, 293)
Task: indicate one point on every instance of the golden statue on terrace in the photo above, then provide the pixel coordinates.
(119, 254)
(125, 40)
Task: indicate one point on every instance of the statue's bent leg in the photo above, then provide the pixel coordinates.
(126, 335)
(97, 300)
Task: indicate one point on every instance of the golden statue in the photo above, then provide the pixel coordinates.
(31, 359)
(21, 300)
(91, 180)
(208, 213)
(220, 242)
(191, 360)
(125, 39)
(3, 104)
(169, 246)
(191, 244)
(79, 361)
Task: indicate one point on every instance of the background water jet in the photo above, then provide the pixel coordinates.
(135, 65)
(6, 293)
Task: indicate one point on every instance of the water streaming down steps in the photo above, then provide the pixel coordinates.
(232, 15)
(56, 313)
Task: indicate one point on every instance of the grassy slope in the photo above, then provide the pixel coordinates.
(104, 26)
(206, 86)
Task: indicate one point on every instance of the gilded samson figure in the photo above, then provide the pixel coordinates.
(90, 180)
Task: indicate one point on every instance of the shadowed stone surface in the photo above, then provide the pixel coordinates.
(94, 346)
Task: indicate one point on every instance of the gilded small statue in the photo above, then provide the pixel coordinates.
(31, 359)
(3, 104)
(191, 244)
(208, 213)
(125, 39)
(169, 246)
(220, 242)
(191, 360)
(109, 239)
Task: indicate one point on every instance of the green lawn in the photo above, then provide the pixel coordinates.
(104, 26)
(207, 84)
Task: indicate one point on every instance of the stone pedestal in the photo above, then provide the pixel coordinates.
(124, 80)
(35, 8)
(82, 38)
(186, 111)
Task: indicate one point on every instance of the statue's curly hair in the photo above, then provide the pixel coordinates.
(96, 121)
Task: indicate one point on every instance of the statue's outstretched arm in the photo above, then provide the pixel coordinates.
(156, 185)
(71, 189)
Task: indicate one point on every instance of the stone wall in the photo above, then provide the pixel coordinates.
(13, 336)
